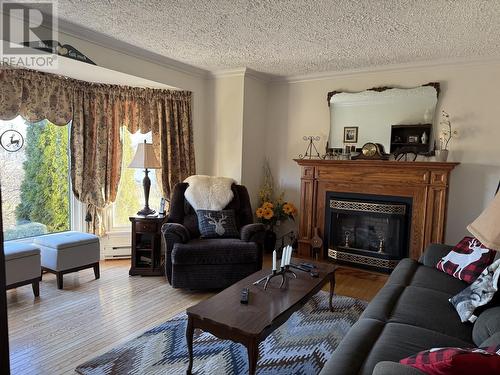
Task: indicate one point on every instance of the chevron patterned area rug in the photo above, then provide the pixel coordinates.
(302, 345)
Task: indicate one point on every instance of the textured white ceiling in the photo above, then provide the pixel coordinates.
(296, 37)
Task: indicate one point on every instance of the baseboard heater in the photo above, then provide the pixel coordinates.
(117, 252)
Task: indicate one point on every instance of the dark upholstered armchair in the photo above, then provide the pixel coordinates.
(198, 263)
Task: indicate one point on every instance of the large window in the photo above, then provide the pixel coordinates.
(34, 173)
(130, 197)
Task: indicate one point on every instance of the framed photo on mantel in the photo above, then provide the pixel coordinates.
(350, 134)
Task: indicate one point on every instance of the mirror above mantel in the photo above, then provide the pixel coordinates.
(394, 117)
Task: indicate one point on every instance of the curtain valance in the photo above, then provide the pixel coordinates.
(38, 96)
(35, 96)
(97, 112)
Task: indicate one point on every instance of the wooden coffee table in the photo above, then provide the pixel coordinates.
(225, 317)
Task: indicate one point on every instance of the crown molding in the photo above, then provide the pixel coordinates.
(259, 76)
(224, 73)
(422, 65)
(105, 41)
(241, 72)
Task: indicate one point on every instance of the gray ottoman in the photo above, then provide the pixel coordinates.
(22, 266)
(67, 252)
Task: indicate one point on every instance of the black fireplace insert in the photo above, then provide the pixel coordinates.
(368, 231)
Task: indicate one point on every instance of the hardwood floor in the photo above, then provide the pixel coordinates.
(63, 328)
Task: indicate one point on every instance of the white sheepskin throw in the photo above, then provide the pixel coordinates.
(209, 192)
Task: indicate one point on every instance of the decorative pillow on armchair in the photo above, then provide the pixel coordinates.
(456, 361)
(217, 224)
(467, 260)
(479, 293)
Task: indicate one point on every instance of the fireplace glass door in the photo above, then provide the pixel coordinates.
(371, 232)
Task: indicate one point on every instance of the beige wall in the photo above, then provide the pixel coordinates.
(226, 125)
(238, 114)
(254, 135)
(470, 93)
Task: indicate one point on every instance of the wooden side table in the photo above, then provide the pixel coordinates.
(146, 245)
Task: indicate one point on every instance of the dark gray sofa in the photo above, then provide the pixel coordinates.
(411, 313)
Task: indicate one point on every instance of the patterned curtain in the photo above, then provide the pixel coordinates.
(173, 139)
(96, 151)
(35, 96)
(97, 112)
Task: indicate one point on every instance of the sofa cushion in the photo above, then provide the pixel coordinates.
(395, 368)
(398, 341)
(430, 309)
(404, 271)
(65, 240)
(383, 303)
(16, 250)
(493, 340)
(431, 278)
(354, 348)
(433, 254)
(215, 251)
(486, 325)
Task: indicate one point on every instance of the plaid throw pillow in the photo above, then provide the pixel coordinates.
(456, 361)
(467, 260)
(217, 224)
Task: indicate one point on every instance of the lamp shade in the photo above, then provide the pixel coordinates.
(486, 228)
(145, 157)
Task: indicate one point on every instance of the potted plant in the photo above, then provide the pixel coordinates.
(272, 210)
(446, 133)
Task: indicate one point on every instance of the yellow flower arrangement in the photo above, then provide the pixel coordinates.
(267, 205)
(260, 212)
(273, 208)
(289, 209)
(268, 213)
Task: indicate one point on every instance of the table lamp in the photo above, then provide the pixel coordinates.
(486, 227)
(145, 158)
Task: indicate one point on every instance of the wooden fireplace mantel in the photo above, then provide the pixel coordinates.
(425, 182)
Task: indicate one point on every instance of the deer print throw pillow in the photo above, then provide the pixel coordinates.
(467, 260)
(217, 224)
(479, 293)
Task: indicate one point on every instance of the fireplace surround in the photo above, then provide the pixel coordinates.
(423, 186)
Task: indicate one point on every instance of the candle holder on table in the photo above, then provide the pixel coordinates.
(275, 273)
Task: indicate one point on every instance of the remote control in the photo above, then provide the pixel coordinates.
(245, 294)
(314, 274)
(308, 265)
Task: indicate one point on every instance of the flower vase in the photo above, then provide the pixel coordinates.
(441, 155)
(269, 241)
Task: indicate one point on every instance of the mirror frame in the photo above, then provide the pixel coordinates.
(436, 85)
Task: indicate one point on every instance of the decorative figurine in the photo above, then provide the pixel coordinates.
(424, 138)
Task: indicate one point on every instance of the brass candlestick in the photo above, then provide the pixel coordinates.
(347, 235)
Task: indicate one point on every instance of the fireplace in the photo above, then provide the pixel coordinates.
(369, 231)
(423, 183)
